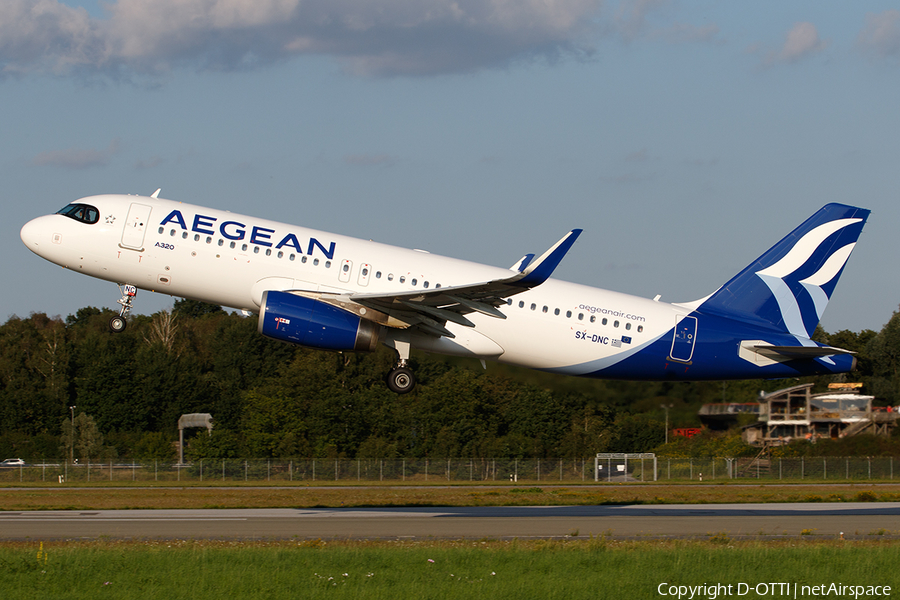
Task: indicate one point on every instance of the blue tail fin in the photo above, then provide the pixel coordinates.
(789, 286)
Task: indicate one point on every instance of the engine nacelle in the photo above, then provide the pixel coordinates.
(308, 322)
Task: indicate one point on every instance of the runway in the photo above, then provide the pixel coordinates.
(856, 520)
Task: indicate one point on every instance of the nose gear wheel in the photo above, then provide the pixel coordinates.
(118, 323)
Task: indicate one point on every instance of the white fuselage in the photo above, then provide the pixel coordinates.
(228, 259)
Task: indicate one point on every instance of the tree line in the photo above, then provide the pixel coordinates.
(70, 387)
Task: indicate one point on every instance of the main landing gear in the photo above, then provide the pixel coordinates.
(118, 323)
(401, 379)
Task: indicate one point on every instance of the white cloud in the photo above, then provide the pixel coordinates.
(76, 158)
(881, 34)
(800, 42)
(375, 37)
(45, 35)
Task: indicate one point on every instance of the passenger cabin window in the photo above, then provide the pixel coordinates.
(84, 213)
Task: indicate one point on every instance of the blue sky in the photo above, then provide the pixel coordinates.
(685, 138)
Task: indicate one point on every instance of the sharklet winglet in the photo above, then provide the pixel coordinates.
(538, 271)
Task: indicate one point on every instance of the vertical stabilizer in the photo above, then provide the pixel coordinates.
(789, 286)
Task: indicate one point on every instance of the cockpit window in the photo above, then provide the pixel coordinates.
(81, 212)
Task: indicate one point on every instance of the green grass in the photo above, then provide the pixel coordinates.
(595, 568)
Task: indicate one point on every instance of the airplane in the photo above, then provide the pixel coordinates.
(332, 292)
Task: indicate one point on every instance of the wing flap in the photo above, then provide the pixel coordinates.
(441, 314)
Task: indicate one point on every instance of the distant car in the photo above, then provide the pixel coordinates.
(12, 462)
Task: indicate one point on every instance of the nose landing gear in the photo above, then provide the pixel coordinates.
(118, 323)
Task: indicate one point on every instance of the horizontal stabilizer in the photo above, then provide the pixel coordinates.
(801, 351)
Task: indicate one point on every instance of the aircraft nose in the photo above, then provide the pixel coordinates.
(35, 234)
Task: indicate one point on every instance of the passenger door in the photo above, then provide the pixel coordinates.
(136, 226)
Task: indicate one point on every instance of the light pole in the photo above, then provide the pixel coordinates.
(72, 436)
(666, 408)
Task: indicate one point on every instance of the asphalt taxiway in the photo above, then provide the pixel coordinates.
(831, 520)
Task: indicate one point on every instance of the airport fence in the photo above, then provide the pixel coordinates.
(455, 470)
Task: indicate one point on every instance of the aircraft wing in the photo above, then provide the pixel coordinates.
(429, 310)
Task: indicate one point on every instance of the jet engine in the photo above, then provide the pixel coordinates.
(308, 322)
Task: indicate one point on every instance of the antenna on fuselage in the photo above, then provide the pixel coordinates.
(156, 193)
